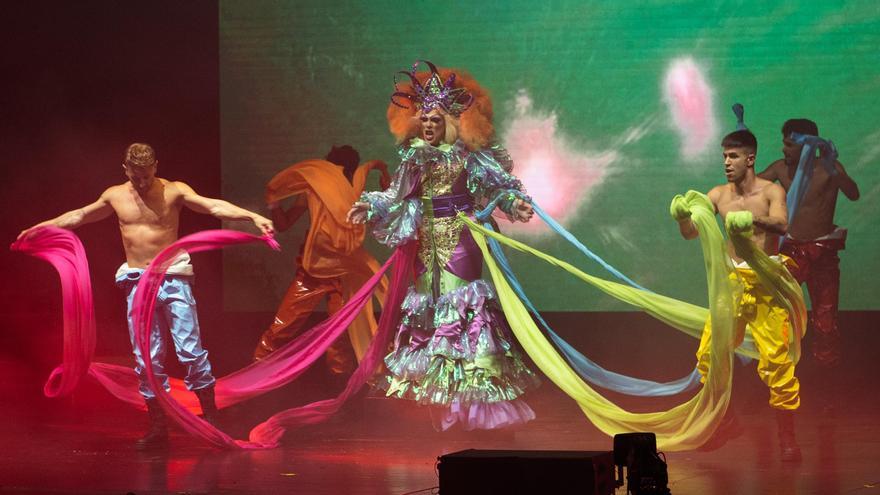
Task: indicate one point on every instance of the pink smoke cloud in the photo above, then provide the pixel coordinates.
(558, 176)
(689, 97)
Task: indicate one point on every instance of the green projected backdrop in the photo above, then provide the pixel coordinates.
(609, 110)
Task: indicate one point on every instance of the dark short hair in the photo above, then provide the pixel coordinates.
(741, 139)
(346, 157)
(800, 126)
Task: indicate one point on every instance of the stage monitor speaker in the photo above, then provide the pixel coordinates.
(557, 472)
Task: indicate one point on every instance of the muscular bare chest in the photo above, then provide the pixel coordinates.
(820, 189)
(754, 202)
(814, 216)
(158, 208)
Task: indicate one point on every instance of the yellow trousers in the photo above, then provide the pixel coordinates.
(769, 324)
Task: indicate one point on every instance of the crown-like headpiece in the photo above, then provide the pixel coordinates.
(435, 93)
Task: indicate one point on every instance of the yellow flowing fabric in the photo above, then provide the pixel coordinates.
(686, 426)
(773, 275)
(333, 246)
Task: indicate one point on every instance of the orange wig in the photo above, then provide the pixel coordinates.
(474, 126)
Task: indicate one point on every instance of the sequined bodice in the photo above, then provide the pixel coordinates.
(432, 187)
(443, 177)
(438, 237)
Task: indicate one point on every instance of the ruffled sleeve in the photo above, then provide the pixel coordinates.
(502, 157)
(395, 215)
(489, 178)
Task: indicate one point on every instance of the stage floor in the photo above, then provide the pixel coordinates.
(84, 445)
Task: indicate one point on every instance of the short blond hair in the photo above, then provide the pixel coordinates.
(139, 155)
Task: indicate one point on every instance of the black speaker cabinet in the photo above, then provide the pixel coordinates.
(557, 472)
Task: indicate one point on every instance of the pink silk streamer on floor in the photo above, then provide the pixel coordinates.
(65, 253)
(280, 368)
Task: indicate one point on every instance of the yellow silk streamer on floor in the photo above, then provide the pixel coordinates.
(686, 426)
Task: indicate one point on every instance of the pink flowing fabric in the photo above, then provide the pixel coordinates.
(63, 250)
(280, 368)
(65, 253)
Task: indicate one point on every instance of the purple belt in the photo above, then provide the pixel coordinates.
(448, 205)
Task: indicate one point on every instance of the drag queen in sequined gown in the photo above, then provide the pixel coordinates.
(453, 350)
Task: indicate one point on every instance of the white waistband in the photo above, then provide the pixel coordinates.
(744, 264)
(180, 266)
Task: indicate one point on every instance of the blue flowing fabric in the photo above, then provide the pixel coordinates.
(559, 229)
(587, 369)
(739, 111)
(804, 172)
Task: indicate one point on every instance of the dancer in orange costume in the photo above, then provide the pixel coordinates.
(332, 263)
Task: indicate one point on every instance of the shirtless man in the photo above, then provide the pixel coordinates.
(744, 191)
(813, 239)
(148, 209)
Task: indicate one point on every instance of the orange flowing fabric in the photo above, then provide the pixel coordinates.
(333, 247)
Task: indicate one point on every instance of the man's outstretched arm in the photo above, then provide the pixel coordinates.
(72, 219)
(687, 228)
(224, 210)
(682, 214)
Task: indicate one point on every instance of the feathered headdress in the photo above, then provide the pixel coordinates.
(434, 93)
(451, 90)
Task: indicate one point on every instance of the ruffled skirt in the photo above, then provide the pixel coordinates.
(458, 355)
